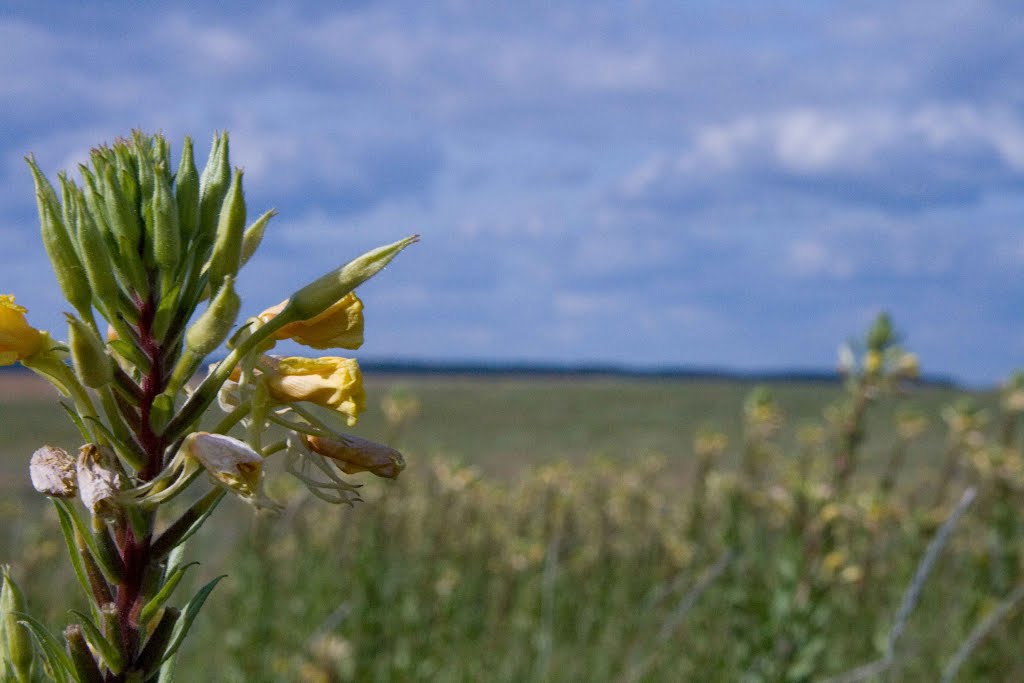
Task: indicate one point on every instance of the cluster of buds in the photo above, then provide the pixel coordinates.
(883, 359)
(138, 249)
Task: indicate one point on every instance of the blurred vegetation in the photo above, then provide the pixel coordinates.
(617, 530)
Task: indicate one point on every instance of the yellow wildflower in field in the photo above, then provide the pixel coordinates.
(331, 382)
(18, 339)
(340, 326)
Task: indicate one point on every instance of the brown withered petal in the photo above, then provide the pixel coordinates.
(352, 455)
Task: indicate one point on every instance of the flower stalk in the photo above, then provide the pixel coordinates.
(136, 250)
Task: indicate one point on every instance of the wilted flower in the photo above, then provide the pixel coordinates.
(98, 480)
(231, 462)
(18, 339)
(331, 382)
(340, 326)
(53, 472)
(353, 455)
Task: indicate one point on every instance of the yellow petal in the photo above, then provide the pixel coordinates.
(18, 339)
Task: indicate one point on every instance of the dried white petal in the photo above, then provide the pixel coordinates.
(53, 473)
(98, 480)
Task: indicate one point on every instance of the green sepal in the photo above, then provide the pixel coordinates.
(110, 653)
(86, 668)
(165, 592)
(188, 615)
(59, 663)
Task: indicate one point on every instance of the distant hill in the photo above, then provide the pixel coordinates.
(482, 369)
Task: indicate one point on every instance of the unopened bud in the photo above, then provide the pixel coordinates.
(92, 364)
(227, 250)
(213, 185)
(186, 192)
(254, 235)
(214, 325)
(166, 232)
(53, 472)
(19, 641)
(98, 479)
(353, 455)
(316, 297)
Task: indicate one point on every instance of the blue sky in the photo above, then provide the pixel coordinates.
(738, 184)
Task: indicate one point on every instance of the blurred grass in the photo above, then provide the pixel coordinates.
(562, 547)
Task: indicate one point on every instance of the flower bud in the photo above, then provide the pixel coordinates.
(353, 455)
(58, 241)
(232, 463)
(18, 339)
(92, 364)
(19, 641)
(340, 326)
(186, 192)
(98, 479)
(872, 362)
(254, 235)
(227, 250)
(53, 472)
(213, 185)
(96, 256)
(214, 325)
(166, 232)
(316, 297)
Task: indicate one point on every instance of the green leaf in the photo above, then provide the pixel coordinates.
(154, 605)
(189, 615)
(67, 528)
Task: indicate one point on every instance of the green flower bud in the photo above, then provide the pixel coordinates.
(186, 192)
(96, 257)
(121, 212)
(227, 251)
(19, 640)
(214, 325)
(254, 235)
(59, 242)
(316, 297)
(92, 364)
(213, 185)
(166, 233)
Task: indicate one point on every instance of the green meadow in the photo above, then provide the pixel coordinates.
(601, 529)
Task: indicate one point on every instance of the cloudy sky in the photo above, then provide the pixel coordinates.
(737, 184)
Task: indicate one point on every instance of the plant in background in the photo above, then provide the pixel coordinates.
(137, 249)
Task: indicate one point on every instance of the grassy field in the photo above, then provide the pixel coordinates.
(550, 529)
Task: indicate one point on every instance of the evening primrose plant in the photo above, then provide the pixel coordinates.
(147, 257)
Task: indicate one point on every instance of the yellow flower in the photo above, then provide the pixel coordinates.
(331, 382)
(340, 326)
(18, 339)
(353, 455)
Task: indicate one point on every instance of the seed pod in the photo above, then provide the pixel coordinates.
(214, 325)
(86, 668)
(92, 364)
(53, 472)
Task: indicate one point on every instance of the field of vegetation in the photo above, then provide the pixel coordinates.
(612, 529)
